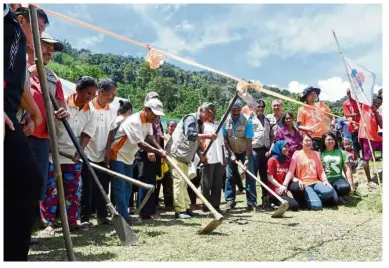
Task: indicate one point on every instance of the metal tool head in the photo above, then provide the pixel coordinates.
(123, 230)
(280, 210)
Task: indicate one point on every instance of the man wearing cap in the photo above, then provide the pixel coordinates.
(313, 120)
(275, 117)
(238, 133)
(136, 132)
(183, 145)
(147, 166)
(38, 136)
(351, 112)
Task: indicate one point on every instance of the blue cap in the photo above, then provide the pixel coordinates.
(237, 104)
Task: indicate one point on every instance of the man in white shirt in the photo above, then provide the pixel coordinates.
(95, 150)
(134, 133)
(212, 173)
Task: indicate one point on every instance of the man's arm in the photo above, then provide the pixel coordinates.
(150, 149)
(30, 105)
(150, 139)
(84, 140)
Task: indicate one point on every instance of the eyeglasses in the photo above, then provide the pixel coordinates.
(330, 140)
(261, 107)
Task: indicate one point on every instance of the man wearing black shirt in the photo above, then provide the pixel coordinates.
(22, 180)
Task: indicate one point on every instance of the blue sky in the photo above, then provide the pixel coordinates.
(287, 45)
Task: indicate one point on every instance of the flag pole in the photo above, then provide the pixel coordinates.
(53, 137)
(358, 104)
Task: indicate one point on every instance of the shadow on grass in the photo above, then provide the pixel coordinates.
(353, 201)
(60, 255)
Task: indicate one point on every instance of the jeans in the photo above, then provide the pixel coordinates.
(316, 194)
(230, 190)
(341, 187)
(122, 189)
(40, 147)
(260, 166)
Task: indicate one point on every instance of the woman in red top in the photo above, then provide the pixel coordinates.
(277, 168)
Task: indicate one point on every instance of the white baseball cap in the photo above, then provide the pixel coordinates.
(156, 106)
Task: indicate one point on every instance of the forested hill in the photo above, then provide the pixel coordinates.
(181, 91)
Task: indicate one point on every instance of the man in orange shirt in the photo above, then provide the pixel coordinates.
(368, 131)
(314, 121)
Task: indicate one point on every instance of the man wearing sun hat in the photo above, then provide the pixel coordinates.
(313, 120)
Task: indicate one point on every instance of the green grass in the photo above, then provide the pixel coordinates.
(352, 232)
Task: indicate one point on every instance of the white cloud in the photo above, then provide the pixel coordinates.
(256, 53)
(210, 32)
(296, 87)
(288, 36)
(332, 89)
(89, 41)
(81, 12)
(185, 26)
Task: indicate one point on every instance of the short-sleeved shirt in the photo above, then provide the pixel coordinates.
(277, 170)
(368, 116)
(215, 153)
(104, 116)
(42, 131)
(315, 117)
(80, 121)
(249, 130)
(308, 166)
(333, 162)
(350, 106)
(133, 130)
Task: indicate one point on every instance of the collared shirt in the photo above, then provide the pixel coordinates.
(274, 122)
(133, 130)
(80, 121)
(190, 127)
(104, 117)
(215, 153)
(249, 131)
(41, 131)
(293, 141)
(350, 106)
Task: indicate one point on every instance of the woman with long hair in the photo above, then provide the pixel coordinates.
(289, 133)
(335, 161)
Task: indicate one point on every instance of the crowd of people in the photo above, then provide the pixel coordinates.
(305, 159)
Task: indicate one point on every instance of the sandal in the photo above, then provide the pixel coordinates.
(48, 231)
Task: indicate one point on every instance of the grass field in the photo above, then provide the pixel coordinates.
(352, 232)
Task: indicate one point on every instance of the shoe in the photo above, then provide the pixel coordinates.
(182, 215)
(151, 217)
(204, 209)
(190, 212)
(86, 225)
(265, 203)
(219, 210)
(103, 221)
(195, 207)
(372, 185)
(252, 207)
(230, 205)
(133, 221)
